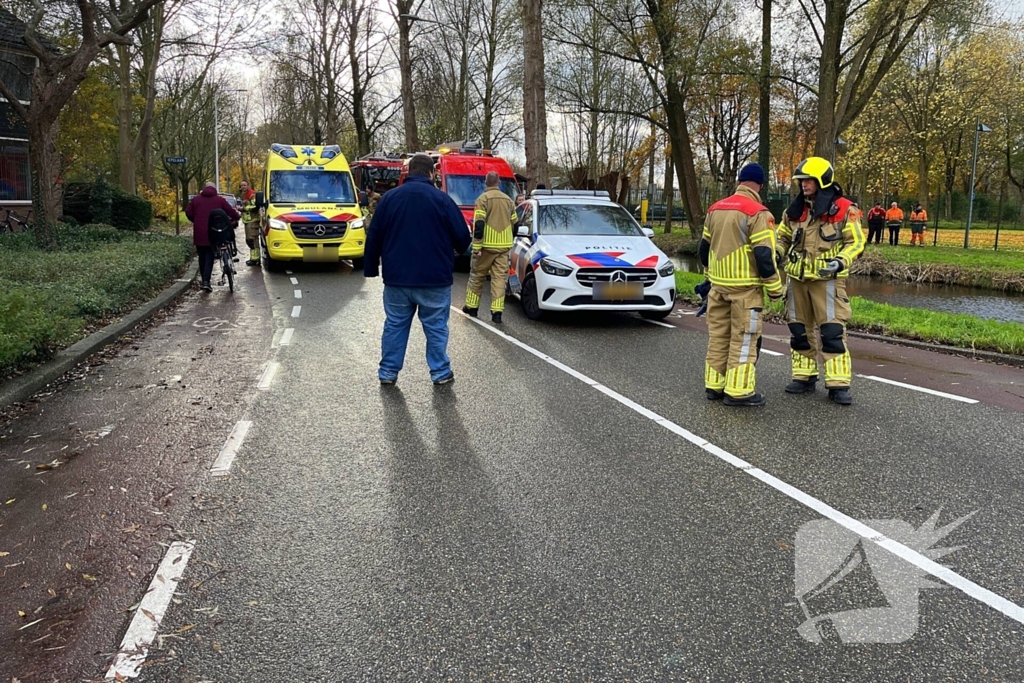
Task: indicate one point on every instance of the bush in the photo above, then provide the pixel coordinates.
(128, 212)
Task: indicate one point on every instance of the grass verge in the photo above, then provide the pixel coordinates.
(952, 329)
(944, 265)
(50, 299)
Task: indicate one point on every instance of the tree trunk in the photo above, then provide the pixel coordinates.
(682, 154)
(150, 64)
(922, 179)
(125, 119)
(44, 160)
(534, 110)
(828, 80)
(765, 102)
(670, 192)
(412, 136)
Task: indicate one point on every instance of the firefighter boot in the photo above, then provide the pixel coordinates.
(254, 257)
(749, 401)
(496, 317)
(802, 386)
(714, 395)
(840, 396)
(471, 312)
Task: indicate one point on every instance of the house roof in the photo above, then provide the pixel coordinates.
(12, 31)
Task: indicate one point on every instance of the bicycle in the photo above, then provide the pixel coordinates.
(227, 253)
(12, 223)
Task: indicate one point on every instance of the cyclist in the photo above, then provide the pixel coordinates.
(198, 211)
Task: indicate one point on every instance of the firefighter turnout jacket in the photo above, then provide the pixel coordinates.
(493, 218)
(807, 242)
(738, 245)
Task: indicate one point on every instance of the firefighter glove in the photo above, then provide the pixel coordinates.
(832, 269)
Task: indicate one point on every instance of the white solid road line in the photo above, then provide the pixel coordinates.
(943, 394)
(222, 465)
(146, 622)
(660, 324)
(298, 293)
(769, 352)
(288, 272)
(268, 376)
(296, 310)
(286, 337)
(926, 564)
(295, 280)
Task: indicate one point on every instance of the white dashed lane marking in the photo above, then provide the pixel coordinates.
(296, 310)
(286, 337)
(295, 280)
(933, 392)
(146, 622)
(222, 465)
(769, 352)
(919, 560)
(267, 378)
(298, 293)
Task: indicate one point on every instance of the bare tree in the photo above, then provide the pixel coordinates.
(535, 126)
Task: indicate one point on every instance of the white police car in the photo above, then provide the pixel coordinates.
(580, 251)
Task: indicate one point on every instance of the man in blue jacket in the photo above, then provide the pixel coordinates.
(416, 231)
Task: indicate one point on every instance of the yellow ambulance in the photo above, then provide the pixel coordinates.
(310, 209)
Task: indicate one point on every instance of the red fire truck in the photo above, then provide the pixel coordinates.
(379, 170)
(461, 171)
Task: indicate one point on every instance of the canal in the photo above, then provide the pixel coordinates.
(984, 303)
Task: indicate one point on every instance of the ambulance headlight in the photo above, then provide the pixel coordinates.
(357, 224)
(552, 267)
(276, 224)
(667, 270)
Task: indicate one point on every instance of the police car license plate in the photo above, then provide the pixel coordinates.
(618, 291)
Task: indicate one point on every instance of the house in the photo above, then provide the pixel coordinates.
(16, 66)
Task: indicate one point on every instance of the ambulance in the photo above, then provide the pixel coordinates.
(460, 173)
(310, 210)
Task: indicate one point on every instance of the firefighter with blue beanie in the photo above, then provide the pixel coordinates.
(737, 251)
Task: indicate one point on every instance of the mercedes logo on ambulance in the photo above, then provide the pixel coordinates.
(319, 231)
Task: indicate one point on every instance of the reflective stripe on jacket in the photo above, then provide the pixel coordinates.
(808, 244)
(734, 228)
(498, 213)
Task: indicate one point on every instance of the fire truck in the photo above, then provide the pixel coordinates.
(379, 170)
(461, 170)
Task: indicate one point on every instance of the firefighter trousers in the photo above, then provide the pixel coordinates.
(493, 262)
(817, 312)
(734, 339)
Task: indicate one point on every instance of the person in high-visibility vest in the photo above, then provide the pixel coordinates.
(894, 221)
(819, 239)
(738, 253)
(251, 221)
(493, 218)
(918, 221)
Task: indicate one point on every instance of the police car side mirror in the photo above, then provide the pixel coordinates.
(260, 203)
(648, 232)
(522, 231)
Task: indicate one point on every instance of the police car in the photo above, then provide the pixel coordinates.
(580, 251)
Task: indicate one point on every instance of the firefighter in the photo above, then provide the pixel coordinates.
(738, 252)
(918, 220)
(493, 218)
(251, 221)
(818, 240)
(372, 197)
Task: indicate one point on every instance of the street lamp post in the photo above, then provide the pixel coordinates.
(216, 139)
(979, 128)
(465, 60)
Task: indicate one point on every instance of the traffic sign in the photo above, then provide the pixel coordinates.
(175, 160)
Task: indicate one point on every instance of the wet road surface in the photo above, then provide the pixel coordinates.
(571, 508)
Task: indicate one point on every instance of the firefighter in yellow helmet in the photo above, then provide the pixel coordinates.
(738, 252)
(820, 237)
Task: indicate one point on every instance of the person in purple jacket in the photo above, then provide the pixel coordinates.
(198, 211)
(416, 232)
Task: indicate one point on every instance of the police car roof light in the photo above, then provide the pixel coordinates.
(570, 193)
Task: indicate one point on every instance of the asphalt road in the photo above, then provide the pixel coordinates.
(570, 509)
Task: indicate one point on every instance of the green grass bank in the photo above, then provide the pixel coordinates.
(50, 299)
(953, 329)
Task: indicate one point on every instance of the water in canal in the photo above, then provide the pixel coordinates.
(984, 303)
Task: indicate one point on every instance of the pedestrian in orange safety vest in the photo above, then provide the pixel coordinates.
(894, 221)
(918, 219)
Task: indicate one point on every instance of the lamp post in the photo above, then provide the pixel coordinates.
(979, 128)
(465, 60)
(216, 138)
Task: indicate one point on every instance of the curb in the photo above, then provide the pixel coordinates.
(24, 387)
(977, 354)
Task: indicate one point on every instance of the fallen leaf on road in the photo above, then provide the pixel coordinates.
(44, 507)
(10, 501)
(186, 628)
(131, 528)
(31, 623)
(88, 577)
(216, 646)
(52, 592)
(149, 614)
(68, 565)
(21, 613)
(4, 554)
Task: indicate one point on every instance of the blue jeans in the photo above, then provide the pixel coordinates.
(400, 304)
